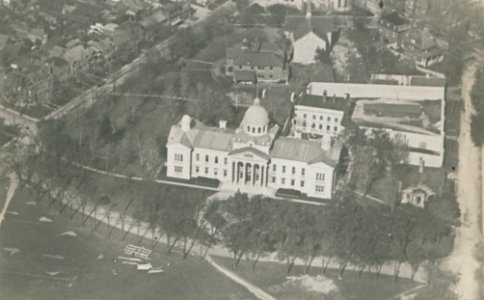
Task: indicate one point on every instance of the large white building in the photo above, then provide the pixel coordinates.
(253, 157)
(411, 111)
(325, 5)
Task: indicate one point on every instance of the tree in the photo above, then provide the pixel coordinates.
(322, 55)
(105, 129)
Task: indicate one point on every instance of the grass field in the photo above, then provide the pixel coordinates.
(84, 262)
(271, 277)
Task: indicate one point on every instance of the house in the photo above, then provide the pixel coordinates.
(319, 114)
(308, 34)
(253, 157)
(177, 12)
(110, 28)
(392, 28)
(411, 113)
(79, 57)
(128, 32)
(322, 5)
(253, 61)
(419, 185)
(419, 46)
(104, 47)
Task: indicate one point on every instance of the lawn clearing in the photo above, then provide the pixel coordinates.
(81, 264)
(272, 278)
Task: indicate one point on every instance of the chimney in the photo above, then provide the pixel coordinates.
(186, 123)
(326, 142)
(222, 124)
(308, 10)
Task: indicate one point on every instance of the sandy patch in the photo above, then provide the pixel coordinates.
(45, 219)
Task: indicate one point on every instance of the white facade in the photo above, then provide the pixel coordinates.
(252, 160)
(305, 48)
(326, 5)
(318, 121)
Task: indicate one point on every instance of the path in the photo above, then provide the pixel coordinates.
(258, 292)
(461, 260)
(10, 193)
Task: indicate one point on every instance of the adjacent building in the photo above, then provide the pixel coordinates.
(324, 5)
(252, 61)
(420, 46)
(411, 110)
(252, 157)
(392, 28)
(308, 34)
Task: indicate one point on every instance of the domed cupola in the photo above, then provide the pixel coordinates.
(256, 119)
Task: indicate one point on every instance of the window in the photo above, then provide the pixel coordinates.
(198, 156)
(304, 124)
(336, 120)
(225, 173)
(313, 126)
(258, 130)
(273, 179)
(283, 180)
(335, 128)
(329, 119)
(320, 126)
(215, 171)
(252, 67)
(302, 183)
(197, 169)
(328, 128)
(216, 159)
(271, 67)
(320, 118)
(274, 167)
(320, 176)
(302, 171)
(206, 170)
(260, 67)
(206, 158)
(240, 67)
(248, 128)
(423, 145)
(178, 157)
(178, 169)
(293, 170)
(253, 129)
(270, 75)
(305, 116)
(261, 76)
(319, 189)
(283, 169)
(292, 181)
(225, 160)
(314, 117)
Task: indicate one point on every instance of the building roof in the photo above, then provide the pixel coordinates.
(244, 75)
(308, 151)
(259, 59)
(394, 19)
(255, 115)
(300, 26)
(250, 149)
(325, 102)
(410, 176)
(427, 81)
(398, 108)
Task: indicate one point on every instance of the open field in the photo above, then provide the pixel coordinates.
(81, 263)
(272, 278)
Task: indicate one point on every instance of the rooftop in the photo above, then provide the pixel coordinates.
(301, 26)
(325, 102)
(308, 151)
(395, 19)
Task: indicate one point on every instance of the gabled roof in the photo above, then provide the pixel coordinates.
(244, 75)
(300, 26)
(305, 151)
(427, 81)
(251, 150)
(259, 59)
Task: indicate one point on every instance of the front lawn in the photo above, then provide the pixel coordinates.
(81, 264)
(271, 277)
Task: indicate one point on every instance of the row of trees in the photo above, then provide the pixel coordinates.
(346, 233)
(477, 96)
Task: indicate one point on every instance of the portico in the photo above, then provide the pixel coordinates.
(249, 173)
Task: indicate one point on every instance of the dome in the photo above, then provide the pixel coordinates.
(256, 115)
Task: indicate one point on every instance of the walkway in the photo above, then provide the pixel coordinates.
(10, 193)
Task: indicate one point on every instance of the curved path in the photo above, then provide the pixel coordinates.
(10, 193)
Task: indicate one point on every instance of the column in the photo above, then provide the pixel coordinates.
(267, 176)
(262, 176)
(233, 171)
(254, 173)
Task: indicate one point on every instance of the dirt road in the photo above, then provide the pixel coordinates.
(462, 261)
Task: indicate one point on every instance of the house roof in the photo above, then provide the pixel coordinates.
(427, 81)
(394, 19)
(300, 26)
(328, 102)
(259, 59)
(410, 176)
(244, 75)
(305, 151)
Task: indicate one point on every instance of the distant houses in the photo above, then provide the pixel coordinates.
(250, 62)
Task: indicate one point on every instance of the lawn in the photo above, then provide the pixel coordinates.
(85, 261)
(272, 278)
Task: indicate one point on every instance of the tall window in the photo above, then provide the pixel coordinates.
(274, 168)
(197, 169)
(319, 188)
(283, 169)
(215, 171)
(206, 158)
(225, 160)
(198, 156)
(320, 176)
(225, 173)
(206, 170)
(293, 170)
(283, 180)
(216, 159)
(178, 157)
(292, 181)
(302, 171)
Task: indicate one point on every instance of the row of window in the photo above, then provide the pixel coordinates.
(321, 118)
(178, 157)
(207, 171)
(328, 127)
(319, 176)
(258, 67)
(207, 158)
(293, 169)
(283, 181)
